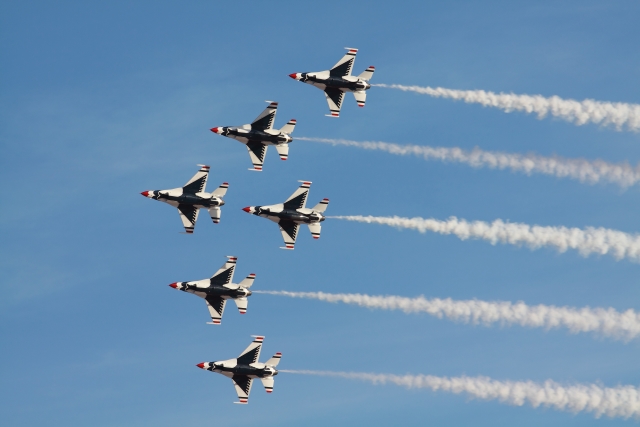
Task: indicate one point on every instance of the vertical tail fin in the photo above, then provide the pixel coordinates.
(274, 360)
(368, 73)
(248, 281)
(322, 206)
(289, 127)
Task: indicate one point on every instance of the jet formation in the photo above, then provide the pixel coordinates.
(338, 80)
(290, 214)
(219, 288)
(258, 135)
(245, 368)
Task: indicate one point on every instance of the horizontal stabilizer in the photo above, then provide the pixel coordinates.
(368, 73)
(322, 206)
(215, 213)
(267, 382)
(242, 304)
(274, 360)
(289, 127)
(361, 98)
(315, 229)
(221, 191)
(283, 151)
(248, 281)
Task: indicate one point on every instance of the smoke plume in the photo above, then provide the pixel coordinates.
(605, 322)
(582, 170)
(617, 114)
(586, 241)
(620, 401)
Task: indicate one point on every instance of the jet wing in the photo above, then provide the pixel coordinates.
(265, 119)
(198, 183)
(224, 275)
(251, 354)
(289, 230)
(243, 387)
(189, 216)
(215, 305)
(334, 99)
(345, 65)
(299, 197)
(257, 152)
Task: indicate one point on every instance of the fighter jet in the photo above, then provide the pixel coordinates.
(219, 288)
(338, 80)
(260, 134)
(290, 214)
(245, 368)
(190, 198)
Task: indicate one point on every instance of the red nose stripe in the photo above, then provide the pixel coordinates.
(292, 75)
(214, 130)
(145, 193)
(200, 365)
(174, 285)
(247, 209)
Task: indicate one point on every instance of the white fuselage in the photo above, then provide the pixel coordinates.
(277, 213)
(245, 134)
(176, 196)
(323, 80)
(203, 288)
(230, 367)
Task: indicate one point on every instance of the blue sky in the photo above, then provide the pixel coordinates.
(102, 101)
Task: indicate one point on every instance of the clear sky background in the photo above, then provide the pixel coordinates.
(103, 100)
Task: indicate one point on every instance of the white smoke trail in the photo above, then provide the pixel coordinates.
(605, 322)
(582, 170)
(621, 401)
(586, 241)
(617, 114)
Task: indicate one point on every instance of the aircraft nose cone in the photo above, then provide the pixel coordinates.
(214, 130)
(145, 193)
(292, 75)
(174, 285)
(247, 209)
(200, 365)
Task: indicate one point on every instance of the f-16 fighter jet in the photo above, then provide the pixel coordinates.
(219, 288)
(245, 368)
(190, 198)
(260, 134)
(290, 214)
(338, 80)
